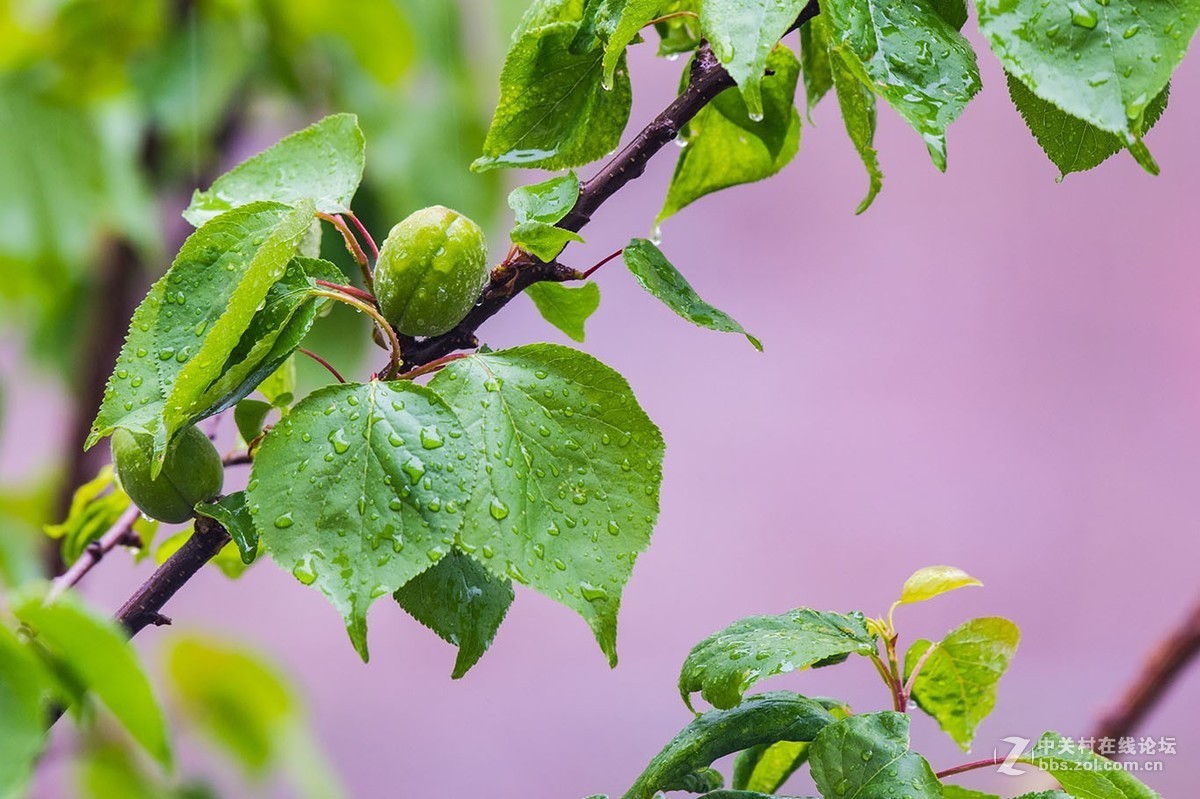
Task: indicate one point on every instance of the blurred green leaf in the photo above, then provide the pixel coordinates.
(23, 684)
(95, 507)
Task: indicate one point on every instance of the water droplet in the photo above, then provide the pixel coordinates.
(431, 438)
(1082, 16)
(498, 509)
(338, 439)
(304, 571)
(284, 521)
(592, 593)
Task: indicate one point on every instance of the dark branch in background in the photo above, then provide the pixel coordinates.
(1163, 667)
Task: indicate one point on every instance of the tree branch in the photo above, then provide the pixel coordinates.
(706, 80)
(120, 534)
(1166, 662)
(143, 608)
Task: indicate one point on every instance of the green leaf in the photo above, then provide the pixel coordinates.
(537, 209)
(107, 769)
(659, 277)
(232, 512)
(1084, 774)
(250, 416)
(1071, 143)
(280, 386)
(724, 665)
(761, 719)
(815, 65)
(278, 327)
(95, 507)
(867, 757)
(933, 581)
(742, 34)
(957, 683)
(359, 489)
(23, 684)
(542, 240)
(322, 163)
(460, 601)
(190, 323)
(911, 57)
(766, 767)
(546, 202)
(93, 650)
(857, 104)
(1103, 63)
(723, 146)
(957, 792)
(635, 15)
(565, 307)
(953, 11)
(233, 698)
(568, 468)
(553, 111)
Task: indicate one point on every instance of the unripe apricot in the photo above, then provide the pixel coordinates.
(431, 269)
(191, 473)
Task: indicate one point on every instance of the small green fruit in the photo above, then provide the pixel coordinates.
(191, 473)
(431, 269)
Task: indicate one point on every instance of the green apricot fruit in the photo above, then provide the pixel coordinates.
(431, 269)
(191, 473)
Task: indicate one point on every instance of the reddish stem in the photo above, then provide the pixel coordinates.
(601, 263)
(366, 236)
(323, 362)
(351, 290)
(974, 766)
(433, 366)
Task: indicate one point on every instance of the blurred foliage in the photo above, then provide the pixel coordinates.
(113, 112)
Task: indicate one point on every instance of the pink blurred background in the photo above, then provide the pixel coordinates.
(987, 369)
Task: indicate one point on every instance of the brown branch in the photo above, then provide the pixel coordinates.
(120, 534)
(1162, 668)
(145, 606)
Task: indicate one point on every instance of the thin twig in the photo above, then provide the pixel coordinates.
(373, 312)
(1162, 668)
(328, 366)
(973, 766)
(351, 290)
(120, 534)
(433, 366)
(589, 272)
(356, 250)
(366, 236)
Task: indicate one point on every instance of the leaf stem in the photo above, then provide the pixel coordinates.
(671, 16)
(886, 676)
(328, 366)
(433, 366)
(120, 534)
(355, 249)
(351, 290)
(366, 236)
(394, 343)
(906, 692)
(972, 766)
(600, 263)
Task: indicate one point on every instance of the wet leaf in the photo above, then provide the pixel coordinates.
(185, 330)
(568, 472)
(553, 111)
(761, 719)
(723, 146)
(1102, 62)
(911, 57)
(957, 683)
(359, 489)
(1084, 774)
(867, 757)
(742, 34)
(1071, 143)
(933, 581)
(322, 163)
(566, 307)
(232, 512)
(724, 665)
(659, 276)
(460, 601)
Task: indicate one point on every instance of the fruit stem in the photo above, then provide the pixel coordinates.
(328, 366)
(393, 342)
(602, 262)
